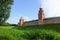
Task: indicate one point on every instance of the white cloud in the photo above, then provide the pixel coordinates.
(26, 18)
(51, 7)
(13, 20)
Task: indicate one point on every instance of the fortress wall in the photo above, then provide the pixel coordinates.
(52, 20)
(29, 23)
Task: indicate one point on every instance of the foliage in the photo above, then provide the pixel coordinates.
(41, 35)
(5, 8)
(38, 32)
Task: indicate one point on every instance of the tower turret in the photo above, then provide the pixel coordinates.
(41, 15)
(21, 21)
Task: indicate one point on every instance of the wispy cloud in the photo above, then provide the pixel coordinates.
(51, 7)
(13, 20)
(26, 18)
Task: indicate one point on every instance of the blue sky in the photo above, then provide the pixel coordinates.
(29, 9)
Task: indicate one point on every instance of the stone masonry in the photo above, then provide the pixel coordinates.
(41, 20)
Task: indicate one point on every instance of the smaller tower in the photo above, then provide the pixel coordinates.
(41, 15)
(21, 21)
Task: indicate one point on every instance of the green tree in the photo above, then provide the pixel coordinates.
(5, 8)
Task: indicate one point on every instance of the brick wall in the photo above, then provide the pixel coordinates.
(29, 23)
(52, 20)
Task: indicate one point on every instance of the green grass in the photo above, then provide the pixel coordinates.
(54, 27)
(38, 32)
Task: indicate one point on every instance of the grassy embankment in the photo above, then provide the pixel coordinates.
(39, 32)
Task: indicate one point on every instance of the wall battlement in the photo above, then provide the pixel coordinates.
(41, 20)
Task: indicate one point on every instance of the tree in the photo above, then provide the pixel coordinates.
(5, 8)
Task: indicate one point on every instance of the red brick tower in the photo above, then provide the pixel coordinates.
(21, 21)
(41, 15)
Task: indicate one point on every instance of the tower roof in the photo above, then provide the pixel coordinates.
(40, 9)
(41, 14)
(21, 17)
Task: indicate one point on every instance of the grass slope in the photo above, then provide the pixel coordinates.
(38, 32)
(54, 27)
